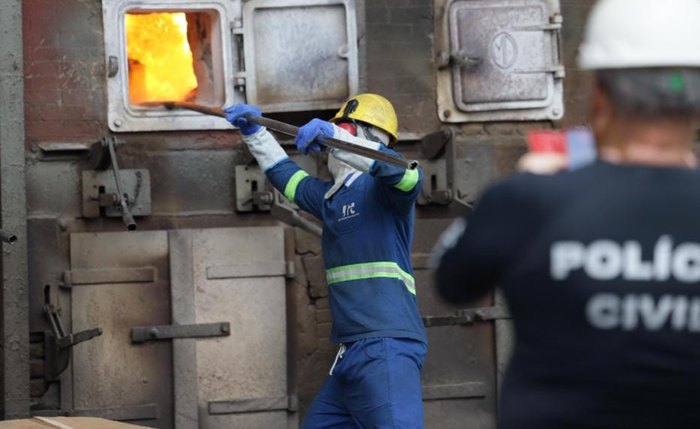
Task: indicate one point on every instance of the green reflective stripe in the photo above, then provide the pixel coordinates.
(371, 270)
(408, 181)
(291, 189)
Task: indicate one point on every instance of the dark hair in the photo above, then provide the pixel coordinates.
(653, 91)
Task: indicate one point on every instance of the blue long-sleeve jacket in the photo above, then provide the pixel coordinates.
(367, 236)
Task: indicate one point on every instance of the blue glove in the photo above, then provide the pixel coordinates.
(308, 138)
(236, 116)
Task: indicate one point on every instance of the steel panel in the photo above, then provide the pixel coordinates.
(109, 276)
(108, 371)
(14, 317)
(52, 187)
(459, 374)
(498, 60)
(490, 31)
(183, 311)
(300, 54)
(251, 363)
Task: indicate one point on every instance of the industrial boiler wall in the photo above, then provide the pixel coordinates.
(192, 187)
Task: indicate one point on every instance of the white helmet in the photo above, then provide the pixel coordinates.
(642, 34)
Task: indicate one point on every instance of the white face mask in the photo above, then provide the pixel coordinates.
(338, 169)
(340, 172)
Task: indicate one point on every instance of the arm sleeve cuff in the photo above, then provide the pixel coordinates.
(266, 150)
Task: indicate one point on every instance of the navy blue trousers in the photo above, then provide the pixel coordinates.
(374, 384)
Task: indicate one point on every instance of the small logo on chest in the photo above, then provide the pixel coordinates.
(348, 212)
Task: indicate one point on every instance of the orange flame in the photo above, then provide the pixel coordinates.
(160, 59)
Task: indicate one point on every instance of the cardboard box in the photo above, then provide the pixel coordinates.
(65, 423)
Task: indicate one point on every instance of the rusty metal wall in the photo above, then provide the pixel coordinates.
(192, 173)
(14, 323)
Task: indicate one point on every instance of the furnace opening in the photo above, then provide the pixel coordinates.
(172, 56)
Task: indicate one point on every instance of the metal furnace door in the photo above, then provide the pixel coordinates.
(150, 370)
(500, 60)
(118, 281)
(459, 375)
(300, 54)
(231, 275)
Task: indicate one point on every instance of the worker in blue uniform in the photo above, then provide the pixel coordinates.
(368, 212)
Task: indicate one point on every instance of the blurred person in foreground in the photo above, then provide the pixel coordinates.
(601, 266)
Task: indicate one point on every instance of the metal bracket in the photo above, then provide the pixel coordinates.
(100, 193)
(435, 186)
(251, 193)
(56, 343)
(63, 151)
(118, 201)
(432, 146)
(286, 213)
(141, 334)
(470, 389)
(97, 276)
(64, 340)
(242, 406)
(468, 317)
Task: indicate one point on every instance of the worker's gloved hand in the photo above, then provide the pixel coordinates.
(236, 116)
(308, 138)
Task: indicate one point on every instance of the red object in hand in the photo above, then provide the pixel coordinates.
(545, 141)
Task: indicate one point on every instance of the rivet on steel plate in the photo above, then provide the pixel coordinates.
(343, 51)
(118, 122)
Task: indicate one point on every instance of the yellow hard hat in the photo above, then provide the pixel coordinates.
(372, 109)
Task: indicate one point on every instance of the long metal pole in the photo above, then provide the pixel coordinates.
(127, 218)
(14, 296)
(292, 131)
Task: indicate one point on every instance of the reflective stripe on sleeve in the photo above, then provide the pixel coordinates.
(371, 270)
(408, 181)
(291, 189)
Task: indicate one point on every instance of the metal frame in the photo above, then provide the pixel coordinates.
(183, 313)
(351, 55)
(14, 353)
(121, 115)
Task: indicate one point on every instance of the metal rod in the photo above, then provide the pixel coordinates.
(291, 217)
(7, 237)
(127, 218)
(292, 131)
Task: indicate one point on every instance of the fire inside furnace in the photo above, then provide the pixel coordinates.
(160, 58)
